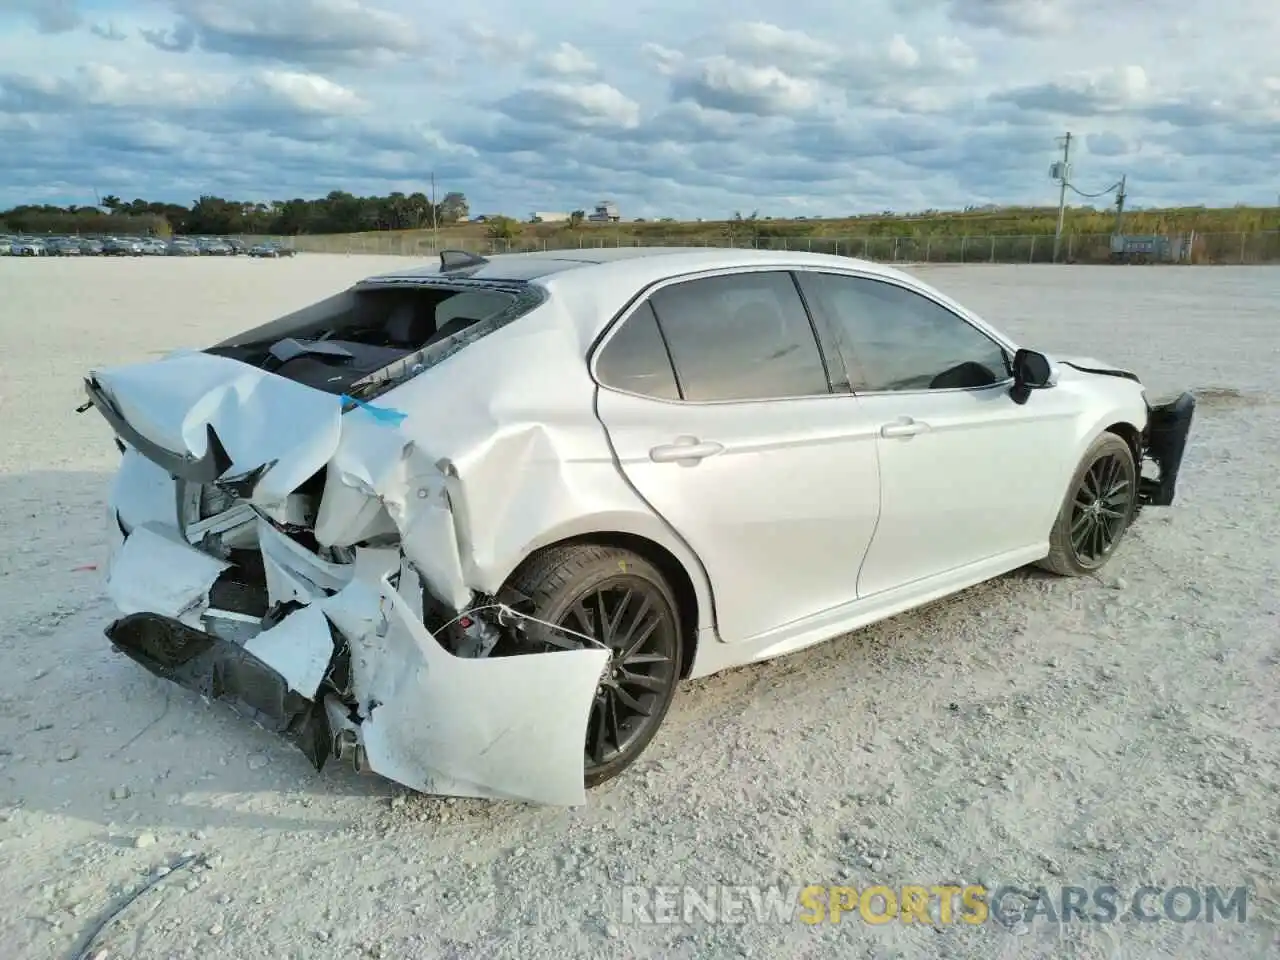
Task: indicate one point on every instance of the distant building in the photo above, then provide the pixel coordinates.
(542, 216)
(606, 211)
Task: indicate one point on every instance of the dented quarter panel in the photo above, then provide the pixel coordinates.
(528, 426)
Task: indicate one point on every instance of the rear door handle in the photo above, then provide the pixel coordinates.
(903, 428)
(685, 451)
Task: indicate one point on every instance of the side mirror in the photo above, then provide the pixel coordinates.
(1031, 371)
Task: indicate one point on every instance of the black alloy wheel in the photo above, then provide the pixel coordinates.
(613, 598)
(1101, 509)
(631, 617)
(1100, 502)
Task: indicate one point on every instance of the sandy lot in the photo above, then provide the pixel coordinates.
(1032, 731)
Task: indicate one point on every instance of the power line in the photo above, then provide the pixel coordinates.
(1093, 196)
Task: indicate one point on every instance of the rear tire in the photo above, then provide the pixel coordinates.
(1100, 504)
(624, 602)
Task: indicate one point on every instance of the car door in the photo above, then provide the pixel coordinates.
(966, 474)
(722, 416)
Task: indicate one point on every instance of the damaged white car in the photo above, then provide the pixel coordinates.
(470, 525)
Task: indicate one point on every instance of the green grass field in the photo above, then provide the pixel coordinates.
(1024, 235)
(1028, 221)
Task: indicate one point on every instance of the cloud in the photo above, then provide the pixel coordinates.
(769, 44)
(579, 106)
(1112, 90)
(492, 43)
(50, 16)
(723, 84)
(1037, 18)
(808, 108)
(178, 95)
(665, 60)
(108, 31)
(567, 60)
(1108, 144)
(309, 32)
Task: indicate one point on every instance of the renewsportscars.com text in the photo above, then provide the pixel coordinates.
(931, 904)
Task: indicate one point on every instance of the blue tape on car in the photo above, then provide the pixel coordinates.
(387, 415)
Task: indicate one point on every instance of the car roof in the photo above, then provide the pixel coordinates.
(646, 261)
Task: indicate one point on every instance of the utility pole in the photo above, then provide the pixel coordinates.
(1120, 198)
(1064, 171)
(435, 216)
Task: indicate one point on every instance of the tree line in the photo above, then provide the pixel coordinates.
(340, 212)
(337, 212)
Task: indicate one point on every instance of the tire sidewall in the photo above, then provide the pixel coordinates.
(1108, 444)
(558, 604)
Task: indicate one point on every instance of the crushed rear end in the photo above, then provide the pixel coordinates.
(277, 546)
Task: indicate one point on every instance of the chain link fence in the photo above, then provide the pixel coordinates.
(1206, 248)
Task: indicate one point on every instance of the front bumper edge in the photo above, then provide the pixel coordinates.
(1165, 442)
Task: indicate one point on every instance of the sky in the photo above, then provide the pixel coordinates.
(669, 107)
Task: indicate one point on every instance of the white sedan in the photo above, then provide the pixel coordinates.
(469, 525)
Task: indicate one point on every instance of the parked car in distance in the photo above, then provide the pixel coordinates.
(90, 247)
(64, 247)
(6, 246)
(213, 247)
(122, 247)
(270, 250)
(28, 247)
(719, 457)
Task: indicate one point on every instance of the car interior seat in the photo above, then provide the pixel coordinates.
(408, 327)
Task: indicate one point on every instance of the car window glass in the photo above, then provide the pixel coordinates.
(635, 358)
(745, 336)
(895, 339)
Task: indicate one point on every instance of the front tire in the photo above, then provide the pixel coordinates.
(622, 601)
(1100, 503)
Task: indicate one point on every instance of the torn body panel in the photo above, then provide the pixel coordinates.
(359, 666)
(213, 418)
(298, 597)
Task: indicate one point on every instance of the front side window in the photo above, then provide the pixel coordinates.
(745, 336)
(893, 338)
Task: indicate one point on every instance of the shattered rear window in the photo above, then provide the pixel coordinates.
(380, 332)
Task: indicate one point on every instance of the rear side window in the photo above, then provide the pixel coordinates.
(635, 358)
(745, 336)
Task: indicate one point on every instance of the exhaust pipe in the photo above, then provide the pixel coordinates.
(347, 748)
(360, 760)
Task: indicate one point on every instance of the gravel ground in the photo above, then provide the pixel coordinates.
(1031, 731)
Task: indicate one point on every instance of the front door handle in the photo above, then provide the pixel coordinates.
(685, 451)
(903, 427)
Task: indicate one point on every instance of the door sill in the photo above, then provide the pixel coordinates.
(714, 656)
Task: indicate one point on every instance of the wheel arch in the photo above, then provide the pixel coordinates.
(1131, 435)
(693, 597)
